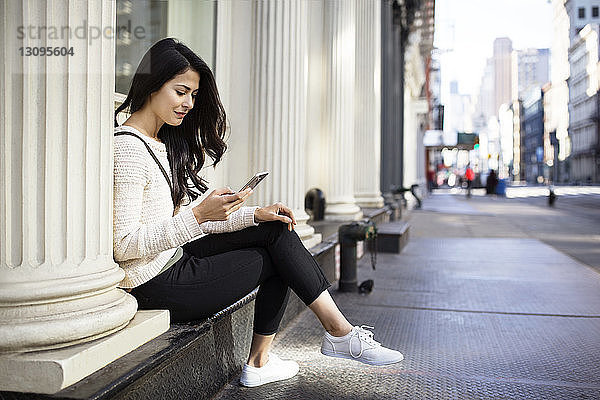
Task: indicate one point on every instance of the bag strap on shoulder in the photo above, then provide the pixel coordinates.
(155, 159)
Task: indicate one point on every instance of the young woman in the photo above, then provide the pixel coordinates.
(194, 261)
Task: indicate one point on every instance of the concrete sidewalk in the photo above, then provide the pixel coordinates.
(476, 318)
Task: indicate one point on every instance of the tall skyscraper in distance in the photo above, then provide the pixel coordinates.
(533, 70)
(487, 101)
(458, 112)
(454, 87)
(502, 72)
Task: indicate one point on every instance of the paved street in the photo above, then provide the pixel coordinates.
(491, 299)
(572, 226)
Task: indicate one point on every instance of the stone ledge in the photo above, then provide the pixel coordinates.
(189, 361)
(194, 360)
(52, 370)
(379, 215)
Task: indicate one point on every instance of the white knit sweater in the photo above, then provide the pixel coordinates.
(145, 232)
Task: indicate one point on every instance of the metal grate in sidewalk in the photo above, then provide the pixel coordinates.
(521, 323)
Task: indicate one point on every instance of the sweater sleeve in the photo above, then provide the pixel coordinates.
(131, 238)
(238, 220)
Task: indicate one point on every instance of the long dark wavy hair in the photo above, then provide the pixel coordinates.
(203, 128)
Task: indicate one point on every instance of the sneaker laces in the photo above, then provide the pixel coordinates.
(364, 336)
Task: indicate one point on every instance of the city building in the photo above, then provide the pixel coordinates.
(434, 90)
(533, 70)
(556, 108)
(584, 165)
(503, 72)
(497, 91)
(407, 37)
(486, 105)
(458, 112)
(580, 13)
(506, 149)
(551, 144)
(485, 111)
(532, 138)
(417, 109)
(518, 173)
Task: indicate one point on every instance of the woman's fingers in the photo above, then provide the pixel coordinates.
(235, 201)
(283, 218)
(233, 209)
(282, 209)
(290, 214)
(290, 219)
(222, 191)
(284, 215)
(286, 220)
(238, 197)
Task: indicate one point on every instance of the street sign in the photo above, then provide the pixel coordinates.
(467, 140)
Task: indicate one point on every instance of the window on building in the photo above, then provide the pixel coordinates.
(595, 12)
(581, 12)
(140, 23)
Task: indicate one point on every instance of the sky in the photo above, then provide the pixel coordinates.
(465, 31)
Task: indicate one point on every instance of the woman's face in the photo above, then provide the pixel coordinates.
(175, 98)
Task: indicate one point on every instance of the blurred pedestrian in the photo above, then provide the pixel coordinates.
(491, 183)
(430, 179)
(469, 176)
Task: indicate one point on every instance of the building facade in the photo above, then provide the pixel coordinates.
(532, 139)
(533, 70)
(557, 96)
(581, 13)
(503, 72)
(583, 106)
(584, 136)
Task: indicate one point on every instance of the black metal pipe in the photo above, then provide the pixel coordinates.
(348, 267)
(349, 235)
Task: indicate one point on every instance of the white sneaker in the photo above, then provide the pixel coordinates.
(359, 345)
(274, 370)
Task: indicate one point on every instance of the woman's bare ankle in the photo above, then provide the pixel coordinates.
(258, 360)
(339, 332)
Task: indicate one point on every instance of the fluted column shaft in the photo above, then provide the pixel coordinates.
(338, 118)
(278, 107)
(367, 104)
(57, 274)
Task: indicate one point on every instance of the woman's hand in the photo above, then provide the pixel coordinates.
(219, 204)
(275, 212)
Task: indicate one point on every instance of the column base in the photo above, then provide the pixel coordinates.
(306, 232)
(312, 240)
(50, 371)
(343, 212)
(370, 201)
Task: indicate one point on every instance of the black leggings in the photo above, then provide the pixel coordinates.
(218, 269)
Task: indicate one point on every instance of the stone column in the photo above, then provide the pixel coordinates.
(338, 116)
(367, 129)
(278, 106)
(57, 274)
(392, 99)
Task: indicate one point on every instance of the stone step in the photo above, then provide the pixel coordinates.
(392, 237)
(378, 215)
(189, 361)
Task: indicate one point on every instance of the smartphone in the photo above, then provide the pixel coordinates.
(255, 180)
